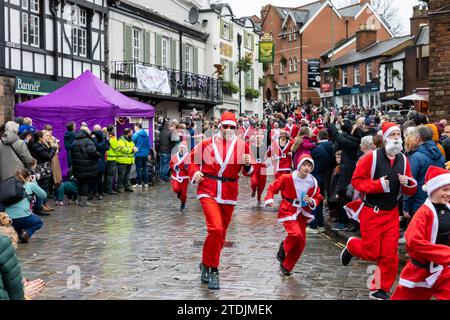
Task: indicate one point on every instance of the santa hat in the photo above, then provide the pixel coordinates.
(284, 130)
(184, 145)
(292, 119)
(319, 121)
(435, 178)
(388, 128)
(303, 158)
(228, 118)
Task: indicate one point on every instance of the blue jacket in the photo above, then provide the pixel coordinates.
(142, 142)
(428, 154)
(322, 155)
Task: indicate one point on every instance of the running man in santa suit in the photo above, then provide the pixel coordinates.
(180, 176)
(380, 176)
(246, 132)
(427, 272)
(259, 177)
(301, 194)
(291, 128)
(215, 165)
(281, 154)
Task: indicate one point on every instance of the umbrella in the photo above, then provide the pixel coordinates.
(414, 97)
(392, 103)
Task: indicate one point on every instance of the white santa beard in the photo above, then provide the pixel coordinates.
(393, 147)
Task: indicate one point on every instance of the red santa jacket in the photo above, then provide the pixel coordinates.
(292, 187)
(274, 134)
(293, 130)
(260, 162)
(179, 167)
(282, 157)
(421, 246)
(221, 159)
(246, 134)
(363, 181)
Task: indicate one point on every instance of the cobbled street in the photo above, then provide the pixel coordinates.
(138, 246)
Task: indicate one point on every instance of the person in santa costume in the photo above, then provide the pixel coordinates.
(291, 128)
(275, 132)
(215, 165)
(259, 177)
(427, 272)
(317, 128)
(180, 176)
(300, 195)
(246, 132)
(381, 176)
(281, 154)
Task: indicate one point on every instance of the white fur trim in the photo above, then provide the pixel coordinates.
(229, 122)
(312, 204)
(437, 182)
(251, 170)
(389, 131)
(414, 183)
(270, 201)
(303, 160)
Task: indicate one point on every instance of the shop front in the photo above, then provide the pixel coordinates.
(366, 96)
(27, 88)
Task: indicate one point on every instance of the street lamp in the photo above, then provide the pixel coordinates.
(239, 42)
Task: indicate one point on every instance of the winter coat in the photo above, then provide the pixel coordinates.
(165, 141)
(11, 287)
(84, 156)
(436, 137)
(322, 155)
(11, 161)
(446, 146)
(142, 142)
(69, 138)
(426, 155)
(101, 145)
(303, 148)
(41, 152)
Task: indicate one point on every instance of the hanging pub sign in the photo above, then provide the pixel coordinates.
(266, 49)
(314, 73)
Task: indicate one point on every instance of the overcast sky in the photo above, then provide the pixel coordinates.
(250, 7)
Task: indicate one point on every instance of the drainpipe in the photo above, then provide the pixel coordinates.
(54, 11)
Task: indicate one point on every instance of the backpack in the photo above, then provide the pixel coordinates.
(11, 191)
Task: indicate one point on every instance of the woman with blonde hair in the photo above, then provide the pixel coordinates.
(302, 144)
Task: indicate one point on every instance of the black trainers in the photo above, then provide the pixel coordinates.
(182, 206)
(379, 295)
(346, 256)
(213, 283)
(281, 255)
(204, 278)
(284, 272)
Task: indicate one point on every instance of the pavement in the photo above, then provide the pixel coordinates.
(138, 246)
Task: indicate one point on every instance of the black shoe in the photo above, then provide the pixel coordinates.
(24, 237)
(379, 295)
(213, 283)
(111, 193)
(281, 255)
(42, 213)
(183, 206)
(346, 256)
(204, 278)
(129, 190)
(284, 272)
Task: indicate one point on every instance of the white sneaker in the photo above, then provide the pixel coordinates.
(311, 230)
(145, 185)
(134, 186)
(402, 240)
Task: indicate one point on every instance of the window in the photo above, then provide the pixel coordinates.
(226, 31)
(289, 34)
(369, 72)
(389, 79)
(248, 38)
(294, 34)
(248, 77)
(79, 32)
(272, 71)
(344, 77)
(31, 22)
(425, 67)
(137, 36)
(290, 65)
(294, 61)
(165, 52)
(281, 67)
(357, 74)
(188, 58)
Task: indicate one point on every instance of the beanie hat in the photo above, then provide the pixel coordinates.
(303, 158)
(228, 118)
(435, 178)
(388, 128)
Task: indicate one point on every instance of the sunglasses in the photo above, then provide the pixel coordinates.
(226, 126)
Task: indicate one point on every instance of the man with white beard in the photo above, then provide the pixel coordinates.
(381, 176)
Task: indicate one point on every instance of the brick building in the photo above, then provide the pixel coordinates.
(301, 35)
(439, 78)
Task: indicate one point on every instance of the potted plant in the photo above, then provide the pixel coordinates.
(262, 82)
(251, 93)
(228, 87)
(333, 72)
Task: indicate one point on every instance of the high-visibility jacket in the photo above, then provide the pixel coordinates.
(111, 152)
(124, 152)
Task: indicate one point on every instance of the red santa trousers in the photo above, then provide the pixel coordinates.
(280, 173)
(295, 242)
(440, 290)
(258, 180)
(218, 217)
(378, 243)
(181, 188)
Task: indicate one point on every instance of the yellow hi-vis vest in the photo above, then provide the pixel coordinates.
(124, 152)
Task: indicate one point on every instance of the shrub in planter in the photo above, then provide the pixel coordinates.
(251, 93)
(229, 87)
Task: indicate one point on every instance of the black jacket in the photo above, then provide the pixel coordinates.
(446, 146)
(41, 152)
(84, 156)
(322, 155)
(165, 141)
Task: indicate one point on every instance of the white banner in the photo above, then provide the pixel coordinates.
(152, 79)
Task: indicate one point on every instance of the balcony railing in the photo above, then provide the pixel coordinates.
(182, 84)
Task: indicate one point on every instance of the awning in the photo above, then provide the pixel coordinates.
(414, 97)
(392, 103)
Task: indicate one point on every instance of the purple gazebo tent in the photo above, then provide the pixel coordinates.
(87, 99)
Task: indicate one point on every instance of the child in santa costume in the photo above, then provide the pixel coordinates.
(301, 195)
(215, 165)
(381, 176)
(246, 132)
(427, 272)
(281, 154)
(291, 128)
(259, 177)
(180, 175)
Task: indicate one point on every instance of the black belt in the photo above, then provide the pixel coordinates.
(378, 208)
(420, 264)
(223, 179)
(295, 202)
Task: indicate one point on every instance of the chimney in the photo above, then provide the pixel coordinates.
(365, 37)
(419, 18)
